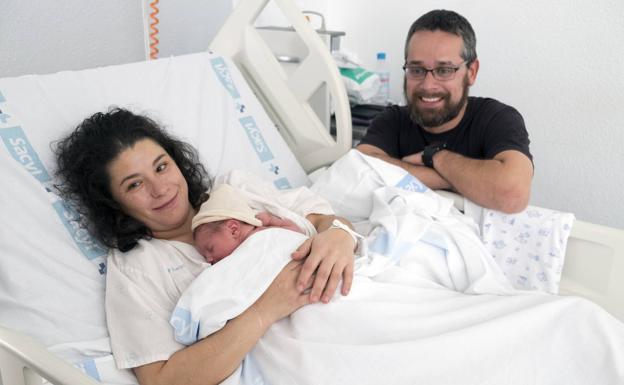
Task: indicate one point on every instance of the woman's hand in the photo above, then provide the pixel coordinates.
(329, 259)
(270, 220)
(212, 359)
(283, 295)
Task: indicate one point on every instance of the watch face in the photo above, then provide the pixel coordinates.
(437, 145)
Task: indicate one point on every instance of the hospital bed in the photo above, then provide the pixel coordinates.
(238, 106)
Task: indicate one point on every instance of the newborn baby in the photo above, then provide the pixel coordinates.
(225, 220)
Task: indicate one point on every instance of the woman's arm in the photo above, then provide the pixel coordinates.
(329, 258)
(215, 357)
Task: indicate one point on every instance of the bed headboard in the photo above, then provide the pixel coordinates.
(286, 98)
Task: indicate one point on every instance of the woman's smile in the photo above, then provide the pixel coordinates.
(168, 204)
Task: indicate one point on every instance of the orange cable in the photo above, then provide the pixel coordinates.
(154, 30)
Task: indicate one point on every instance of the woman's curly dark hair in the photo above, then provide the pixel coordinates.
(82, 160)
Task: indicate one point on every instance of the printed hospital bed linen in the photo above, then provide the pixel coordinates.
(52, 272)
(530, 246)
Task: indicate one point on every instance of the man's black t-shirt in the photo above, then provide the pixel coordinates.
(487, 128)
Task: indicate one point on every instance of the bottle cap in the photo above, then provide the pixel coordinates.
(381, 56)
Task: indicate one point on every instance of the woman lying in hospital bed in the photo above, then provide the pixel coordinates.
(408, 318)
(138, 187)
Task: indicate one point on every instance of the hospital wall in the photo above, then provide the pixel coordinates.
(559, 62)
(49, 36)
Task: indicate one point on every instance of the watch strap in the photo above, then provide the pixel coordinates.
(430, 151)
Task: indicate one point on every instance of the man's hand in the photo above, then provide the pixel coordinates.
(502, 183)
(412, 164)
(415, 159)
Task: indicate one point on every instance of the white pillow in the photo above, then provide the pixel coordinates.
(529, 246)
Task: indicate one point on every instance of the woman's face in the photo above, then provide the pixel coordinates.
(149, 186)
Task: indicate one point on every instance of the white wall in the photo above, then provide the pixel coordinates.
(559, 62)
(189, 25)
(50, 36)
(271, 15)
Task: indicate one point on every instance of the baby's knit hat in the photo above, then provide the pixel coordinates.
(225, 202)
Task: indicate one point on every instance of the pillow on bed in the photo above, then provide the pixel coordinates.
(529, 246)
(52, 273)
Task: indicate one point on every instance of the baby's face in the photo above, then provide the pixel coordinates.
(214, 244)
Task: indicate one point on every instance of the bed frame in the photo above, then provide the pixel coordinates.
(594, 261)
(287, 98)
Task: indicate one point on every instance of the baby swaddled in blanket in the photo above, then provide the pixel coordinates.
(225, 221)
(226, 226)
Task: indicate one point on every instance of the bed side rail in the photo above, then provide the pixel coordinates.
(594, 266)
(23, 361)
(286, 97)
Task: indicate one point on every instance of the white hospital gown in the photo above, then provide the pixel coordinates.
(144, 284)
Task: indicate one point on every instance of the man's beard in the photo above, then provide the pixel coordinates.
(434, 118)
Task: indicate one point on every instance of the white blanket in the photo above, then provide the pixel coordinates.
(415, 239)
(387, 333)
(410, 317)
(224, 290)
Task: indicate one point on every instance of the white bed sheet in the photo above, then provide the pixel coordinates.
(410, 316)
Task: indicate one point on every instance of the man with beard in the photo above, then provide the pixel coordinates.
(478, 147)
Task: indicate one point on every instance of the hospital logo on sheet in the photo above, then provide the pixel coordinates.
(410, 183)
(20, 149)
(248, 123)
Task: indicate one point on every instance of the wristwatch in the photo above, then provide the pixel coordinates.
(430, 151)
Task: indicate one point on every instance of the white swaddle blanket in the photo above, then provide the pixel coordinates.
(227, 288)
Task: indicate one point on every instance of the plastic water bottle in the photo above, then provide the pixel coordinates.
(383, 95)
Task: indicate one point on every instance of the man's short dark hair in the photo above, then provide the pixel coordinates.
(447, 21)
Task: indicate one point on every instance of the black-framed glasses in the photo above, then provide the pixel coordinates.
(445, 72)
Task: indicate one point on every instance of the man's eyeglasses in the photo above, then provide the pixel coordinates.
(443, 73)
